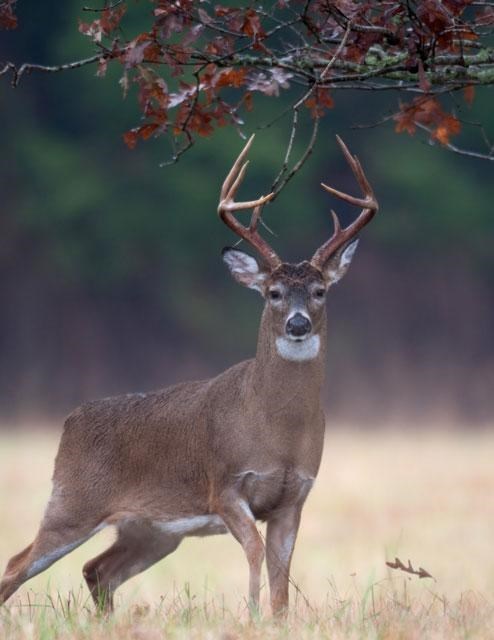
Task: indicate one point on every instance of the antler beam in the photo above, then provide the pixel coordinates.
(227, 206)
(369, 208)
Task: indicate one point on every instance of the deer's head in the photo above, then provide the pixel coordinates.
(295, 294)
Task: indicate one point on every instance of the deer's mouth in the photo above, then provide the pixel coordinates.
(298, 349)
(298, 338)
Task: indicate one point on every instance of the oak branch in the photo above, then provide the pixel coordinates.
(199, 66)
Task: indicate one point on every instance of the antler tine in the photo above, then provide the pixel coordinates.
(368, 203)
(230, 178)
(227, 205)
(354, 162)
(358, 172)
(336, 222)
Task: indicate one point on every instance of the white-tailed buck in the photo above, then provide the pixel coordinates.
(208, 457)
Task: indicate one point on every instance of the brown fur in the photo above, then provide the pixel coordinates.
(242, 446)
(205, 457)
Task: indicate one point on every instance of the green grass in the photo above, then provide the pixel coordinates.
(425, 496)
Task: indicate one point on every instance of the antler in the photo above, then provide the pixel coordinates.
(369, 208)
(227, 205)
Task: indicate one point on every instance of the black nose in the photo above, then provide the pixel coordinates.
(298, 325)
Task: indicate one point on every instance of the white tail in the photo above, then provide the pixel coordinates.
(208, 457)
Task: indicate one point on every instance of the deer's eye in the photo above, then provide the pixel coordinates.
(274, 294)
(319, 293)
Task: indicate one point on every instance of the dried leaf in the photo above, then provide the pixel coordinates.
(102, 68)
(427, 111)
(130, 138)
(8, 19)
(398, 564)
(231, 78)
(269, 82)
(469, 94)
(248, 101)
(104, 26)
(448, 126)
(252, 25)
(319, 101)
(204, 17)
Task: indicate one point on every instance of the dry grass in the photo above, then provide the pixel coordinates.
(423, 496)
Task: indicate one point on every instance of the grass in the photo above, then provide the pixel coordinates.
(427, 496)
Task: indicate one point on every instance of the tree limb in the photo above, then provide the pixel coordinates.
(26, 67)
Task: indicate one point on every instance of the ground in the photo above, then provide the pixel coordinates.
(421, 495)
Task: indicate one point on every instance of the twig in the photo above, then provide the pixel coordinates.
(178, 154)
(462, 152)
(326, 69)
(362, 28)
(18, 72)
(284, 166)
(296, 107)
(109, 7)
(296, 168)
(376, 123)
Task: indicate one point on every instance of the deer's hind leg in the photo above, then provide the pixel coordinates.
(63, 529)
(138, 546)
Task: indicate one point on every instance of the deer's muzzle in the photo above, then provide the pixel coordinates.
(298, 326)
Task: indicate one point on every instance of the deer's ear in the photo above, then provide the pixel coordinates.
(244, 268)
(336, 267)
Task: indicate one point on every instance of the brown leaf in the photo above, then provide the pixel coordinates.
(248, 101)
(319, 101)
(144, 132)
(104, 26)
(111, 18)
(231, 78)
(252, 25)
(469, 93)
(102, 67)
(427, 111)
(398, 564)
(130, 138)
(448, 126)
(8, 19)
(147, 130)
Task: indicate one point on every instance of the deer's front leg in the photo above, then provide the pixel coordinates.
(280, 542)
(240, 521)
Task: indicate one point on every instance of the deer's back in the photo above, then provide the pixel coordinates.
(117, 448)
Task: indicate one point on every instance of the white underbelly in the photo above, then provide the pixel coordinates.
(203, 525)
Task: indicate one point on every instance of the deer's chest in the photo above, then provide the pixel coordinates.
(269, 490)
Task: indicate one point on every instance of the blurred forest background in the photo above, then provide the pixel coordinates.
(111, 276)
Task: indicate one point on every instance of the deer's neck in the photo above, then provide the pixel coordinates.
(287, 384)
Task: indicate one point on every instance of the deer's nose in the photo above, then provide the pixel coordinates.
(298, 325)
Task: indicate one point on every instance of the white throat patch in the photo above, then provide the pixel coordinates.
(298, 351)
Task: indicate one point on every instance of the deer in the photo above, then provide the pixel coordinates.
(214, 456)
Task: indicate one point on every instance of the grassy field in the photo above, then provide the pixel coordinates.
(426, 496)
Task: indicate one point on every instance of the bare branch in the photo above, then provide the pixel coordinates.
(326, 69)
(296, 168)
(106, 8)
(180, 152)
(18, 72)
(455, 149)
(284, 166)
